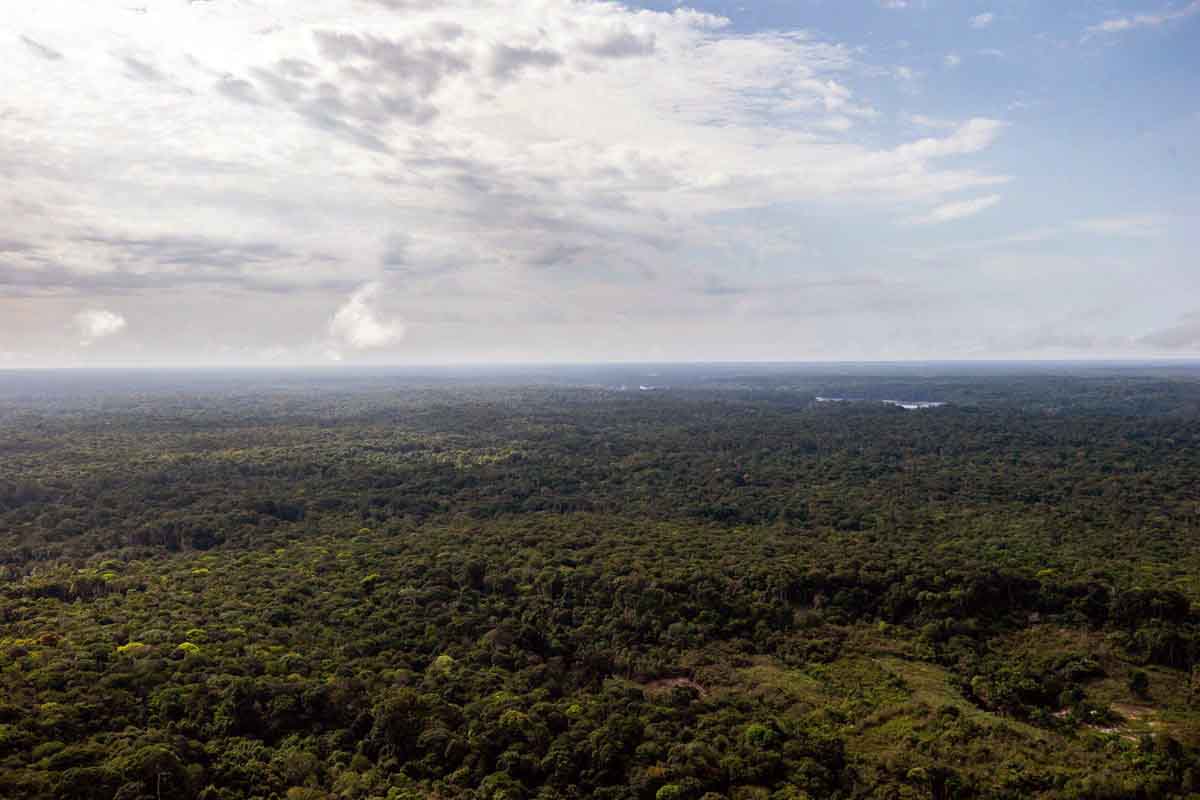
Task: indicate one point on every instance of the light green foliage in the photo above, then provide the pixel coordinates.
(442, 665)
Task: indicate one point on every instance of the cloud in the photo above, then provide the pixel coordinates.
(893, 4)
(1183, 335)
(959, 210)
(1119, 24)
(56, 279)
(506, 60)
(376, 82)
(971, 137)
(397, 252)
(981, 21)
(102, 262)
(185, 251)
(48, 53)
(95, 324)
(952, 60)
(141, 70)
(924, 121)
(357, 323)
(295, 137)
(1145, 226)
(15, 246)
(1126, 227)
(621, 43)
(238, 89)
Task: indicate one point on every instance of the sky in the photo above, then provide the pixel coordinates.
(279, 182)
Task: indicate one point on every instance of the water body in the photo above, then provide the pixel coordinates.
(906, 404)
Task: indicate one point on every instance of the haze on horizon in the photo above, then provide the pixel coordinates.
(415, 182)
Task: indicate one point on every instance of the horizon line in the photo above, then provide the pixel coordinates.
(347, 366)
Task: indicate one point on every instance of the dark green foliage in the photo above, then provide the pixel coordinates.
(502, 591)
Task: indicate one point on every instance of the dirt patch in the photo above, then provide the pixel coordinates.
(1133, 712)
(1129, 737)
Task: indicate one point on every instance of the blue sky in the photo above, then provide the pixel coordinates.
(1100, 125)
(341, 181)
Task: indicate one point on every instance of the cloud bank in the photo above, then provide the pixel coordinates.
(477, 180)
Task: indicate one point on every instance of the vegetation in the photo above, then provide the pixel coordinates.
(514, 586)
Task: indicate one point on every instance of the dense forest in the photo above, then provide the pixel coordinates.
(670, 583)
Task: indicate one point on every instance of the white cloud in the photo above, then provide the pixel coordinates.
(838, 123)
(980, 21)
(971, 137)
(1133, 226)
(958, 210)
(458, 146)
(925, 121)
(1119, 24)
(357, 324)
(894, 4)
(952, 60)
(97, 323)
(1144, 226)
